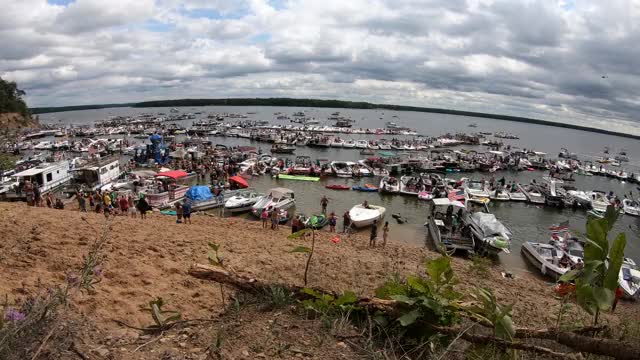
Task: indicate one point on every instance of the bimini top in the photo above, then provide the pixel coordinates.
(174, 174)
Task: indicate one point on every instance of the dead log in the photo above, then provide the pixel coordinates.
(573, 339)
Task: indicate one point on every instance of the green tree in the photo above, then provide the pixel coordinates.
(11, 98)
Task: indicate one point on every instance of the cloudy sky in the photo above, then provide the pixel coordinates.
(551, 59)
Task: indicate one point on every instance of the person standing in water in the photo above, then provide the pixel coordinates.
(324, 202)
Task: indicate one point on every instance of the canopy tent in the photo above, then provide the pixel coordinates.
(174, 174)
(240, 181)
(199, 193)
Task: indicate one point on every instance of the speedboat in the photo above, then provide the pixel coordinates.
(599, 201)
(517, 195)
(532, 193)
(411, 185)
(545, 257)
(629, 279)
(631, 207)
(242, 201)
(389, 184)
(441, 229)
(362, 216)
(349, 144)
(362, 144)
(337, 142)
(425, 195)
(361, 170)
(577, 198)
(475, 189)
(278, 198)
(491, 235)
(341, 168)
(499, 195)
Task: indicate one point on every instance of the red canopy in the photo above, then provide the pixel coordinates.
(174, 174)
(239, 180)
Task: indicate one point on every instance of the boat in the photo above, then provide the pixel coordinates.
(278, 198)
(342, 168)
(476, 189)
(517, 195)
(499, 195)
(349, 144)
(577, 198)
(338, 187)
(362, 144)
(242, 201)
(629, 279)
(411, 185)
(599, 201)
(337, 142)
(315, 221)
(554, 194)
(389, 184)
(366, 188)
(297, 177)
(47, 177)
(362, 216)
(94, 175)
(631, 207)
(302, 166)
(532, 193)
(200, 198)
(546, 258)
(440, 229)
(425, 195)
(283, 149)
(490, 235)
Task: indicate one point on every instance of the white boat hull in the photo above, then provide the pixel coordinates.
(361, 217)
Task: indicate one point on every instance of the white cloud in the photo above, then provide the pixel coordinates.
(564, 60)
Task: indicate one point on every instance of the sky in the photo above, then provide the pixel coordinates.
(562, 60)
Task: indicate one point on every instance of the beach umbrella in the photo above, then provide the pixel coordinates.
(239, 180)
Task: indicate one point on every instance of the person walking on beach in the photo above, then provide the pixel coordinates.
(264, 215)
(346, 222)
(274, 219)
(385, 233)
(374, 234)
(332, 222)
(124, 205)
(186, 212)
(324, 202)
(92, 202)
(143, 207)
(82, 203)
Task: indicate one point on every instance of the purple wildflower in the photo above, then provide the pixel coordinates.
(72, 280)
(97, 271)
(14, 315)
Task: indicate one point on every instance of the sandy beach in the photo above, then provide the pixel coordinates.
(150, 258)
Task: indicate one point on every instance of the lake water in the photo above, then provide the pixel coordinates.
(527, 222)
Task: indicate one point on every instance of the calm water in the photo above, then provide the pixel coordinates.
(527, 222)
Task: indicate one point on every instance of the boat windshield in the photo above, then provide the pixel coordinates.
(546, 252)
(576, 252)
(475, 185)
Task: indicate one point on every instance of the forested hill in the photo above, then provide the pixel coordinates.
(11, 99)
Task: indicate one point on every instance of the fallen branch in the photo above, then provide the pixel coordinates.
(573, 339)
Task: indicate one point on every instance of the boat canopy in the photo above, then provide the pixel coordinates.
(199, 193)
(174, 174)
(280, 192)
(489, 224)
(447, 202)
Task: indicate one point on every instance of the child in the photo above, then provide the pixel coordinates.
(385, 233)
(179, 213)
(332, 222)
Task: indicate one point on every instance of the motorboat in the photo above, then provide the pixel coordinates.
(546, 257)
(631, 207)
(517, 195)
(532, 193)
(599, 201)
(302, 166)
(490, 235)
(337, 142)
(554, 193)
(362, 144)
(475, 189)
(577, 198)
(411, 185)
(242, 201)
(499, 195)
(426, 195)
(441, 229)
(342, 168)
(389, 184)
(363, 215)
(278, 198)
(283, 149)
(349, 144)
(361, 170)
(629, 279)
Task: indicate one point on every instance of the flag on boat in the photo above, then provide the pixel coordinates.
(456, 195)
(563, 226)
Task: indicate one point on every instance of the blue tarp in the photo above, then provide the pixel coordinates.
(199, 193)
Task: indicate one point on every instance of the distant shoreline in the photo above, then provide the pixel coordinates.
(289, 102)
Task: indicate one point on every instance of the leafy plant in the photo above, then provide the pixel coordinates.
(597, 281)
(488, 309)
(430, 299)
(304, 249)
(326, 304)
(163, 319)
(480, 265)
